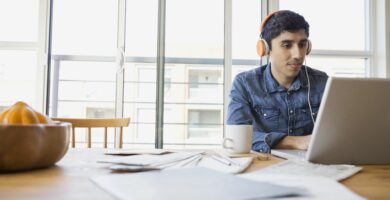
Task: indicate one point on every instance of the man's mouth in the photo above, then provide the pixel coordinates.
(294, 66)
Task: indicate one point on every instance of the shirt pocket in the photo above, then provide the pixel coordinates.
(268, 116)
(304, 118)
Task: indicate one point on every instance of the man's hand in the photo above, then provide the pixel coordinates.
(294, 142)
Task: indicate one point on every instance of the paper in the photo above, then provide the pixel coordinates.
(148, 162)
(254, 154)
(211, 163)
(304, 168)
(190, 184)
(128, 152)
(317, 187)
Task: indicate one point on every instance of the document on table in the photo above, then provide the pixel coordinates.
(317, 187)
(150, 160)
(147, 162)
(129, 152)
(190, 184)
(304, 168)
(242, 164)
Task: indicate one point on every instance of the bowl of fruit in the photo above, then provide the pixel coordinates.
(29, 139)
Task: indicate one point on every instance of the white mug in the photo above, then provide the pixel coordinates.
(238, 138)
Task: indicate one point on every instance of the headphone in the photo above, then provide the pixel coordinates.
(262, 45)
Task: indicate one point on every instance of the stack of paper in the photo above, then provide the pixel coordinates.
(148, 162)
(303, 168)
(190, 184)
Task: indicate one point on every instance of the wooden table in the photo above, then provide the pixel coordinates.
(69, 179)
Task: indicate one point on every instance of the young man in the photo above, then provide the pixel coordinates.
(274, 98)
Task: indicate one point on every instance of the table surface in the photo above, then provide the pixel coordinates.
(69, 179)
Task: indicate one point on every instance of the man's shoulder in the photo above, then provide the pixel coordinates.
(251, 73)
(316, 72)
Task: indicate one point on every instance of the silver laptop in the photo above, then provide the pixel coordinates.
(353, 124)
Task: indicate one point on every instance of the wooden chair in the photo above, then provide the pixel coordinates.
(96, 123)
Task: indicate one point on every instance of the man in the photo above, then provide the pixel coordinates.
(274, 97)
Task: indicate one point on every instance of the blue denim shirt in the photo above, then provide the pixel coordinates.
(256, 98)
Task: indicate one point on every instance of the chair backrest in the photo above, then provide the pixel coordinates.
(96, 123)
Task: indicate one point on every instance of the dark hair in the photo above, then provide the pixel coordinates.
(280, 21)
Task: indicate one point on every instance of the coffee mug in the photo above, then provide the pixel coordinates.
(238, 138)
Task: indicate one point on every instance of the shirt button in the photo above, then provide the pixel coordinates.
(291, 111)
(265, 115)
(290, 131)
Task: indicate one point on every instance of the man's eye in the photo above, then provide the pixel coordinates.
(302, 45)
(286, 45)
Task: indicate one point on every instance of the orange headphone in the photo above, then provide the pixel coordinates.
(262, 45)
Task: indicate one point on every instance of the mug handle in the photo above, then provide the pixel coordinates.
(224, 143)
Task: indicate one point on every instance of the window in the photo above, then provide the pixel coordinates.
(140, 39)
(203, 123)
(21, 71)
(84, 27)
(18, 73)
(88, 80)
(83, 74)
(97, 112)
(246, 19)
(19, 23)
(337, 50)
(205, 84)
(194, 48)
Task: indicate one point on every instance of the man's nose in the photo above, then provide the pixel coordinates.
(297, 53)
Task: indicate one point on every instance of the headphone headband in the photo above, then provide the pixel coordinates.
(266, 18)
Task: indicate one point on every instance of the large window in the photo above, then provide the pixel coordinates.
(104, 63)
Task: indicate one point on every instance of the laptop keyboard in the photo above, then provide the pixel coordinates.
(289, 153)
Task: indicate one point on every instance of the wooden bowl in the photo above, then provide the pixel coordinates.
(24, 147)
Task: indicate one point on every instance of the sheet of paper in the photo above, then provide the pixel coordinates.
(316, 186)
(150, 160)
(190, 184)
(254, 154)
(303, 168)
(211, 163)
(128, 152)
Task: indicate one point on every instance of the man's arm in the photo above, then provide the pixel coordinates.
(294, 142)
(240, 112)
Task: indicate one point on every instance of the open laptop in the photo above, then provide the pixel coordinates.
(353, 124)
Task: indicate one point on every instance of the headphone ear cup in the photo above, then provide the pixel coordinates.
(308, 47)
(262, 48)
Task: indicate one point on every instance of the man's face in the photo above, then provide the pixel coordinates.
(287, 55)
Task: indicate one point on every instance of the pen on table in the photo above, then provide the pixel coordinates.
(221, 160)
(227, 158)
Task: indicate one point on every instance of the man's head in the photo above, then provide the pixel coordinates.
(281, 21)
(286, 34)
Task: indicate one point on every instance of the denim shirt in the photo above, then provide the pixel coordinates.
(256, 98)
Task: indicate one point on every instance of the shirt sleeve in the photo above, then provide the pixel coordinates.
(240, 112)
(263, 142)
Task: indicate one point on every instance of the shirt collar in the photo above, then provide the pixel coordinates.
(272, 86)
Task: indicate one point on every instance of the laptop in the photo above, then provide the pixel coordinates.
(352, 126)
